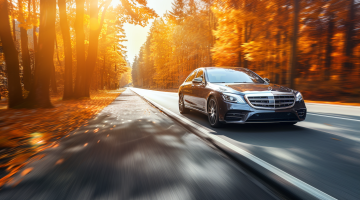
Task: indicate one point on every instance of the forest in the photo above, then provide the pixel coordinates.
(310, 45)
(64, 46)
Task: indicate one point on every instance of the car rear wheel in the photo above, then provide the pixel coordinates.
(182, 108)
(213, 113)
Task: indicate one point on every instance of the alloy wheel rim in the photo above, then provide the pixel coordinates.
(212, 112)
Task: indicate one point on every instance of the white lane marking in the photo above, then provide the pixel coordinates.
(334, 117)
(289, 178)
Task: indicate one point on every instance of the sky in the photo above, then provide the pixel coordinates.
(136, 35)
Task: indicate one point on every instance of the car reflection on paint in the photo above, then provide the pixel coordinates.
(239, 95)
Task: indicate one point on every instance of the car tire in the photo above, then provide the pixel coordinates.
(182, 108)
(288, 123)
(213, 113)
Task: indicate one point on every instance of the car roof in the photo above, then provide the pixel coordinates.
(222, 67)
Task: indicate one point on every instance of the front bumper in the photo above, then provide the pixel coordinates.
(244, 113)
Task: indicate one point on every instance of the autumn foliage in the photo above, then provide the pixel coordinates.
(312, 46)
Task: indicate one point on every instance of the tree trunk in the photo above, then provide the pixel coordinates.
(80, 49)
(24, 50)
(40, 96)
(93, 44)
(349, 44)
(102, 74)
(245, 64)
(11, 11)
(329, 48)
(293, 56)
(53, 79)
(11, 57)
(65, 30)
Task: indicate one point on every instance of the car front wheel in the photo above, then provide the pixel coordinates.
(213, 113)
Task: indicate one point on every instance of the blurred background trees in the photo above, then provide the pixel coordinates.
(70, 46)
(310, 45)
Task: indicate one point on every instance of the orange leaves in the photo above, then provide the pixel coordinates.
(26, 132)
(26, 171)
(59, 161)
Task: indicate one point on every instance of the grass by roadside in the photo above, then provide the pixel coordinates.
(26, 132)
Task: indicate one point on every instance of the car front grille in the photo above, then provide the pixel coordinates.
(271, 101)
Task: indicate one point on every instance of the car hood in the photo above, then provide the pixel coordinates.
(250, 88)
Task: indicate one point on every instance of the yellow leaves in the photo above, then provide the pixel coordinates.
(86, 19)
(38, 138)
(94, 24)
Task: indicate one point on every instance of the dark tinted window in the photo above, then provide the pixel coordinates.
(192, 76)
(235, 75)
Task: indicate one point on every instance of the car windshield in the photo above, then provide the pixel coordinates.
(235, 75)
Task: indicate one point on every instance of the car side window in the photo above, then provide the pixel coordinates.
(200, 74)
(191, 76)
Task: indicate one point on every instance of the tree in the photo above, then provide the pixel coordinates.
(39, 95)
(294, 42)
(139, 14)
(80, 48)
(11, 57)
(24, 47)
(178, 11)
(65, 29)
(95, 28)
(349, 43)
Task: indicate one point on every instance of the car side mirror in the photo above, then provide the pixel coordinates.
(197, 80)
(267, 80)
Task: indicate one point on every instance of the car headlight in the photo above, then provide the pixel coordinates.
(299, 97)
(232, 98)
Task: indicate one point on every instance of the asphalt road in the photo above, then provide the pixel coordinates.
(322, 151)
(133, 151)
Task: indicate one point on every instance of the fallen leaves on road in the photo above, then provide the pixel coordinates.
(26, 171)
(27, 132)
(59, 161)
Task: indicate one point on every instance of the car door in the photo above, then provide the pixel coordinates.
(199, 91)
(188, 90)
